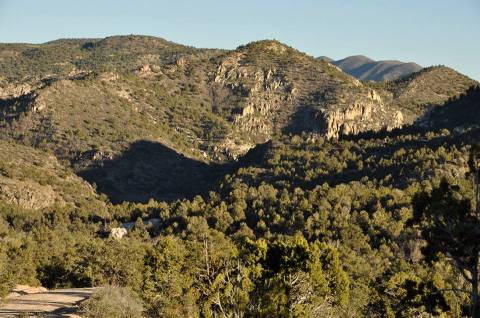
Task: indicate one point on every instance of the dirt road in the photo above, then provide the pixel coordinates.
(52, 303)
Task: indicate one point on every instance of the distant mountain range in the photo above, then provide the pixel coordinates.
(366, 69)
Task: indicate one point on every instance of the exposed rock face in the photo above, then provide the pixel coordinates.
(27, 194)
(18, 98)
(148, 71)
(327, 102)
(15, 90)
(397, 120)
(359, 113)
(233, 149)
(347, 121)
(120, 232)
(263, 92)
(181, 62)
(31, 96)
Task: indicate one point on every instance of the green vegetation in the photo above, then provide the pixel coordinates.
(451, 225)
(110, 302)
(300, 232)
(60, 57)
(376, 224)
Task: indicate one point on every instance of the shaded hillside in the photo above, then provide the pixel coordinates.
(148, 170)
(460, 114)
(366, 69)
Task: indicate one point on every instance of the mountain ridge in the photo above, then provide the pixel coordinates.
(90, 105)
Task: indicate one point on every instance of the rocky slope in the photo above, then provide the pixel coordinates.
(34, 180)
(279, 89)
(210, 105)
(90, 102)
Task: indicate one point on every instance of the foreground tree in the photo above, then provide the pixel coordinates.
(295, 278)
(450, 223)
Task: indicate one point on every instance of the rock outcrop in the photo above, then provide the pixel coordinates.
(281, 97)
(359, 113)
(262, 92)
(27, 194)
(118, 233)
(15, 90)
(148, 71)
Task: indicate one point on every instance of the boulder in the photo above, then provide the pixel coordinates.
(118, 232)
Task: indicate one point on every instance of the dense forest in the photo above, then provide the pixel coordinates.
(316, 228)
(376, 223)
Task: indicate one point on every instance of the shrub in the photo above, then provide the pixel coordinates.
(112, 301)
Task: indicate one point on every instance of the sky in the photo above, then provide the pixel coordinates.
(428, 32)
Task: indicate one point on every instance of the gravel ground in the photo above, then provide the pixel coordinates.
(52, 303)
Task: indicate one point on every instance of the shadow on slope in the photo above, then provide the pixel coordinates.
(305, 119)
(150, 170)
(461, 112)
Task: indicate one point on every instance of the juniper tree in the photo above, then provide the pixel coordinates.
(449, 222)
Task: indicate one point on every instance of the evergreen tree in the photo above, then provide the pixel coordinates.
(450, 224)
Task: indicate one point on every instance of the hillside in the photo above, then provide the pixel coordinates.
(90, 101)
(254, 182)
(366, 69)
(68, 56)
(33, 180)
(458, 114)
(420, 92)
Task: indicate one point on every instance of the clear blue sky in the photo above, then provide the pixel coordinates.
(428, 32)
